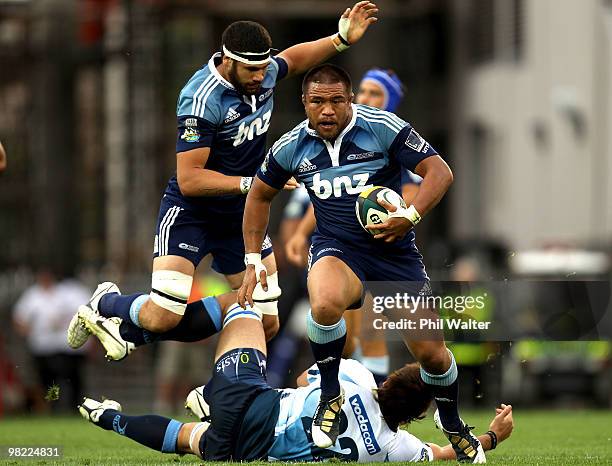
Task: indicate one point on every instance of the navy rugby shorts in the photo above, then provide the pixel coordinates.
(181, 232)
(243, 408)
(403, 264)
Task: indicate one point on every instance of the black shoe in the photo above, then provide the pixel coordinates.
(326, 421)
(467, 447)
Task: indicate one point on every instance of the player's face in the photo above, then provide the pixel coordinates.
(371, 94)
(328, 108)
(247, 79)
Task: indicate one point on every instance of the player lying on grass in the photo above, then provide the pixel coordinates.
(245, 419)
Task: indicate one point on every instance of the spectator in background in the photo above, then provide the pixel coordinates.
(2, 158)
(41, 315)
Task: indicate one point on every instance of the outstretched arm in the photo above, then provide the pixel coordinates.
(501, 425)
(353, 24)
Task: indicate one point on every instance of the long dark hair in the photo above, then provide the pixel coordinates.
(404, 397)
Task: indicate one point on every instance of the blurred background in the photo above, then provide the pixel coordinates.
(515, 94)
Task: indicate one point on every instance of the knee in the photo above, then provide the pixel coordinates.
(433, 356)
(327, 308)
(156, 319)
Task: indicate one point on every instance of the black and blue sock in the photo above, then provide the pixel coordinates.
(201, 320)
(156, 432)
(327, 343)
(445, 389)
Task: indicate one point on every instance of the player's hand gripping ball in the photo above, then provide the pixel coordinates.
(370, 212)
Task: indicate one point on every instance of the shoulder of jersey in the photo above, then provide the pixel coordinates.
(201, 94)
(290, 139)
(375, 117)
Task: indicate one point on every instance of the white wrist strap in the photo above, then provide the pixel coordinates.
(410, 213)
(245, 184)
(254, 258)
(339, 39)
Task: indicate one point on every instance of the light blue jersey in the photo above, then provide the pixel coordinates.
(364, 434)
(373, 149)
(212, 113)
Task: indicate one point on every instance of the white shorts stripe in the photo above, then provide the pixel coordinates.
(160, 232)
(167, 233)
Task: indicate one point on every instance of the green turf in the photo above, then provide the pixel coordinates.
(540, 438)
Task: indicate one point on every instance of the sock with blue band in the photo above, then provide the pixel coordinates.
(445, 389)
(125, 306)
(201, 320)
(327, 343)
(156, 432)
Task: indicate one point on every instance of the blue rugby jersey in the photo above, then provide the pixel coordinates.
(212, 113)
(373, 149)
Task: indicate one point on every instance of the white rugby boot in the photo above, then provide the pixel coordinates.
(196, 405)
(77, 334)
(91, 409)
(107, 331)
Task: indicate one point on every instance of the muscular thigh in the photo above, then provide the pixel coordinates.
(332, 285)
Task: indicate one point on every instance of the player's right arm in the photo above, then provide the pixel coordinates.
(198, 121)
(272, 176)
(195, 180)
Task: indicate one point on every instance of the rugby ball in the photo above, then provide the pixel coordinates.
(370, 212)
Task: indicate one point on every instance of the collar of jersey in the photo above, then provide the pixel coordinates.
(213, 69)
(312, 132)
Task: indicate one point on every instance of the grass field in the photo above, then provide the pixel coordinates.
(540, 438)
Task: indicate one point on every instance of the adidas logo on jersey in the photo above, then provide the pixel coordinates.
(306, 166)
(231, 115)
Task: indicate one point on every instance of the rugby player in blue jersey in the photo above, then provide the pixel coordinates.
(243, 418)
(381, 89)
(340, 150)
(223, 116)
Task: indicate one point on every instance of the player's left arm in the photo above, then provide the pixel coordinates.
(417, 155)
(501, 426)
(352, 26)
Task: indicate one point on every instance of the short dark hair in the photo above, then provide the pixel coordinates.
(404, 397)
(246, 36)
(326, 73)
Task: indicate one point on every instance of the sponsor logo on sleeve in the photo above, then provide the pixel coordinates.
(416, 142)
(266, 94)
(190, 134)
(264, 165)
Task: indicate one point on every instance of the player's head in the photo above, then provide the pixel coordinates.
(246, 54)
(327, 95)
(381, 89)
(404, 397)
